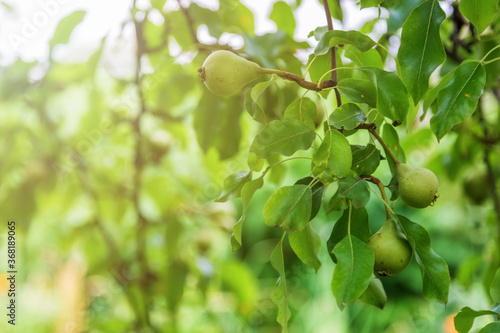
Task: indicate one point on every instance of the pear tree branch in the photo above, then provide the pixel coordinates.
(333, 54)
(490, 172)
(388, 151)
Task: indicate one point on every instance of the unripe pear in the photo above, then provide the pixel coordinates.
(391, 249)
(476, 186)
(225, 73)
(417, 186)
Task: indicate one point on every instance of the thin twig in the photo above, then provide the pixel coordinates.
(490, 171)
(384, 145)
(367, 126)
(165, 116)
(138, 166)
(118, 266)
(492, 184)
(190, 23)
(164, 38)
(333, 53)
(381, 187)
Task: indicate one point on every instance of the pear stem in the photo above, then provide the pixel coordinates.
(381, 187)
(386, 203)
(385, 146)
(299, 80)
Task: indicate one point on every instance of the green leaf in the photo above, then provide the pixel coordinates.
(366, 160)
(465, 318)
(174, 231)
(282, 137)
(421, 50)
(370, 3)
(348, 117)
(358, 91)
(158, 4)
(479, 12)
(7, 6)
(233, 185)
(252, 105)
(333, 155)
(337, 37)
(306, 244)
(303, 110)
(370, 58)
(65, 28)
(495, 287)
(177, 271)
(282, 15)
(351, 189)
(432, 94)
(318, 33)
(255, 163)
(375, 294)
(289, 207)
(318, 65)
(280, 293)
(391, 138)
(211, 19)
(354, 268)
(180, 29)
(335, 9)
(226, 113)
(358, 222)
(278, 171)
(247, 193)
(493, 327)
(317, 194)
(239, 279)
(393, 187)
(239, 20)
(399, 12)
(392, 97)
(435, 274)
(458, 100)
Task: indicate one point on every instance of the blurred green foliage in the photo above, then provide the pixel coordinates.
(111, 166)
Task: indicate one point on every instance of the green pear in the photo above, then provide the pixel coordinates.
(374, 294)
(225, 73)
(391, 249)
(476, 186)
(417, 186)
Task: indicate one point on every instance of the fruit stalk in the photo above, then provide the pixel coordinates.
(388, 151)
(299, 80)
(384, 197)
(381, 187)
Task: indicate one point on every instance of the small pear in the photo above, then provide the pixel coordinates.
(476, 186)
(225, 73)
(391, 249)
(417, 186)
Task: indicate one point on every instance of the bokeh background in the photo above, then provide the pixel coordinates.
(113, 153)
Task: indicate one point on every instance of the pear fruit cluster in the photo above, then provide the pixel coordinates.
(417, 186)
(225, 73)
(391, 249)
